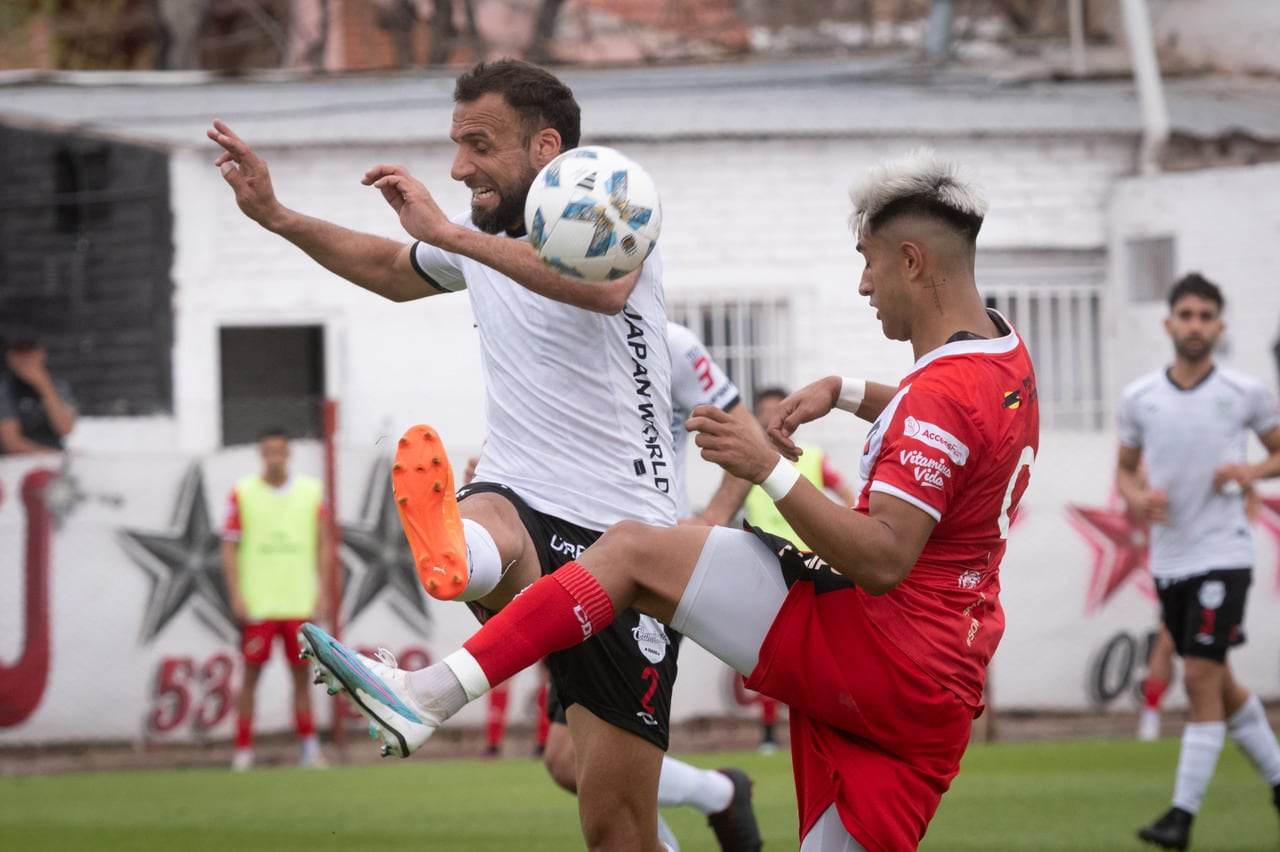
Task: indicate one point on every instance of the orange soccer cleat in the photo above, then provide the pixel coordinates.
(422, 482)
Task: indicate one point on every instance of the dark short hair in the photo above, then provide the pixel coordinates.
(537, 96)
(1195, 284)
(968, 224)
(273, 432)
(770, 391)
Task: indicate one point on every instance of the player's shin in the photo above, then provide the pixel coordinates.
(557, 612)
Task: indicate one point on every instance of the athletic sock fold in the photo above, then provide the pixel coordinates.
(560, 610)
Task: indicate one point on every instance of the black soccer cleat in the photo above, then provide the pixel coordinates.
(1171, 831)
(735, 827)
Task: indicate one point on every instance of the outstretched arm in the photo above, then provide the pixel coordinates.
(375, 263)
(875, 551)
(423, 219)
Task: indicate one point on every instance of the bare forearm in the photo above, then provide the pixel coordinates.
(874, 401)
(61, 416)
(231, 568)
(518, 261)
(727, 500)
(377, 264)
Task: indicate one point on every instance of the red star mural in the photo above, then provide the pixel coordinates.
(1269, 517)
(1119, 551)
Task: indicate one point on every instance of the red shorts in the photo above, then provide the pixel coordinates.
(256, 638)
(870, 730)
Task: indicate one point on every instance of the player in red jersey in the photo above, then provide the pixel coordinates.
(879, 639)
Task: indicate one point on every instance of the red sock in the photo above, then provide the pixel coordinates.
(497, 721)
(304, 722)
(560, 610)
(244, 732)
(543, 726)
(1152, 692)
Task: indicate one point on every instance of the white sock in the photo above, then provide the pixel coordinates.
(705, 790)
(310, 747)
(1252, 732)
(484, 563)
(1201, 745)
(438, 689)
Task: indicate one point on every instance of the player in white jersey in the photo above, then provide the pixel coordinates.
(696, 379)
(1188, 426)
(554, 475)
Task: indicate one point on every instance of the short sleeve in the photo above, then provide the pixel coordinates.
(924, 452)
(1264, 415)
(696, 379)
(440, 269)
(231, 525)
(1128, 424)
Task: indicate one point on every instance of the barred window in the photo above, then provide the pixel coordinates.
(1056, 301)
(748, 338)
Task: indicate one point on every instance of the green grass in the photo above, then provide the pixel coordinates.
(1045, 796)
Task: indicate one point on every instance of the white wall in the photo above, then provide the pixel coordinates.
(741, 216)
(1227, 35)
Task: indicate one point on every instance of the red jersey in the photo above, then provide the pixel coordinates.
(957, 441)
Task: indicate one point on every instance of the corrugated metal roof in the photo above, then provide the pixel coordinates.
(830, 97)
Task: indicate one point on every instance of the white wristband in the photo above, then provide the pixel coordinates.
(780, 480)
(852, 392)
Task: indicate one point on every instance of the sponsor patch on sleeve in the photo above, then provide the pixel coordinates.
(935, 436)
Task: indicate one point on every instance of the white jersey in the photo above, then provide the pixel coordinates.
(1184, 436)
(696, 380)
(577, 403)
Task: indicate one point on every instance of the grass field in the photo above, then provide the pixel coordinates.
(1088, 795)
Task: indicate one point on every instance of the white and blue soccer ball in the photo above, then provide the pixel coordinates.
(593, 214)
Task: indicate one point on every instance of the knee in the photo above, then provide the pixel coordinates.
(616, 829)
(561, 769)
(623, 542)
(1202, 676)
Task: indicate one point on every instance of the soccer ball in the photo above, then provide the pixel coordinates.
(593, 214)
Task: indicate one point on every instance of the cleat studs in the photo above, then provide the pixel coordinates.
(439, 486)
(433, 584)
(373, 732)
(319, 679)
(457, 578)
(403, 501)
(428, 435)
(419, 467)
(436, 460)
(333, 690)
(397, 466)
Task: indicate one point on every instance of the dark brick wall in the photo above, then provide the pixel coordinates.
(85, 253)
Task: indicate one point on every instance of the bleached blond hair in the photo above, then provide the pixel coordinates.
(919, 183)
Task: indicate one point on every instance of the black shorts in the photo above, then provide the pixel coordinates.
(623, 674)
(1205, 613)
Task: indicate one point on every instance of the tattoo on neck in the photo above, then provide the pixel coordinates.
(933, 288)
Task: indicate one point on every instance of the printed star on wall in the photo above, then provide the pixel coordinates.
(1119, 550)
(184, 564)
(1269, 517)
(379, 548)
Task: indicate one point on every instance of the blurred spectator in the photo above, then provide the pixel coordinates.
(37, 410)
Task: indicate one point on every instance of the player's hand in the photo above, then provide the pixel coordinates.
(807, 404)
(1153, 507)
(28, 365)
(1232, 479)
(419, 214)
(248, 177)
(738, 447)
